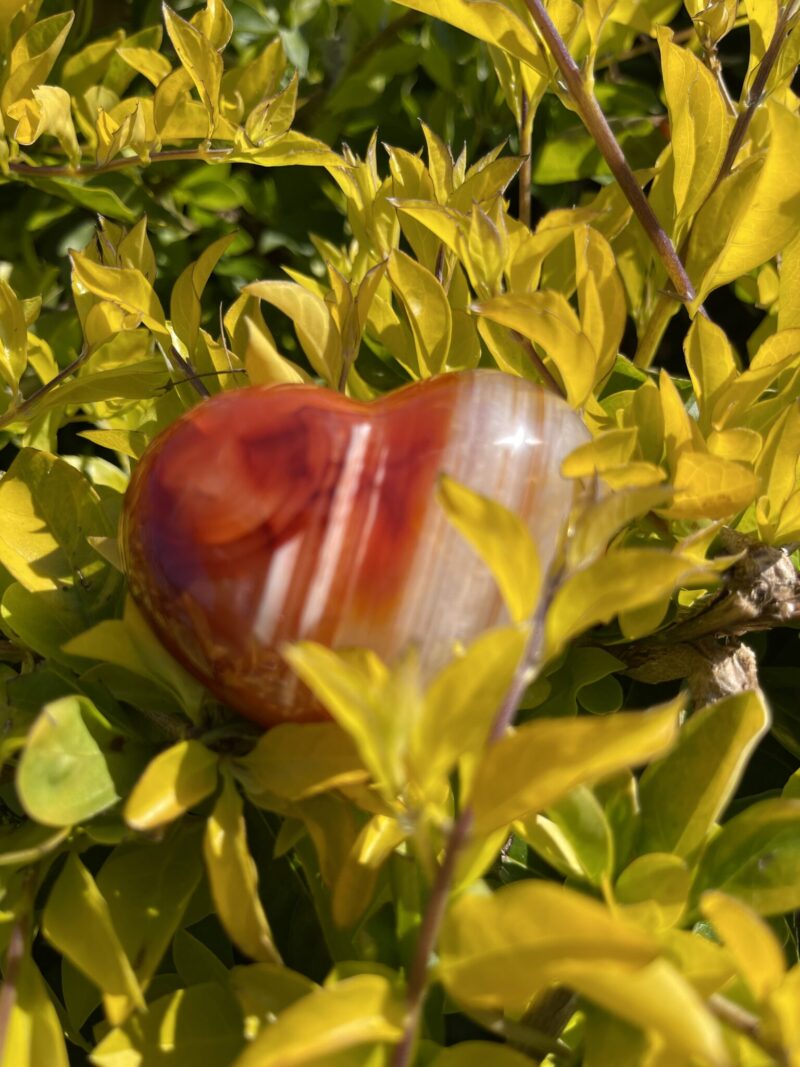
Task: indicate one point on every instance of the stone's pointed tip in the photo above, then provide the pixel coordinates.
(266, 516)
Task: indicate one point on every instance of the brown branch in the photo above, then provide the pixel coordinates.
(22, 409)
(663, 311)
(90, 170)
(525, 171)
(755, 96)
(596, 123)
(538, 363)
(744, 1022)
(190, 375)
(8, 991)
(529, 666)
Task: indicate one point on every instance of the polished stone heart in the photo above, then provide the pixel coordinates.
(267, 515)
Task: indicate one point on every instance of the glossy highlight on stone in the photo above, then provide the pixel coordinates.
(271, 514)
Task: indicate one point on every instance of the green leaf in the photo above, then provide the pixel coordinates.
(427, 308)
(265, 989)
(699, 123)
(298, 760)
(47, 509)
(130, 643)
(682, 795)
(233, 877)
(202, 1024)
(200, 59)
(33, 1032)
(147, 888)
(756, 858)
(582, 822)
(63, 775)
(539, 763)
(497, 950)
(602, 520)
(77, 923)
(356, 1011)
(501, 539)
(175, 781)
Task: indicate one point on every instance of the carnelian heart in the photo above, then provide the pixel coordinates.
(277, 513)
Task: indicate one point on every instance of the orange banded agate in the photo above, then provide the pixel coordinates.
(271, 514)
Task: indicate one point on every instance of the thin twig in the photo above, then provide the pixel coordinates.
(174, 358)
(21, 410)
(529, 666)
(664, 309)
(525, 171)
(90, 170)
(744, 1022)
(754, 96)
(520, 1035)
(547, 378)
(597, 125)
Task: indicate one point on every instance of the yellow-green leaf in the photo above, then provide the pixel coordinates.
(76, 922)
(363, 696)
(49, 112)
(175, 781)
(497, 950)
(682, 795)
(479, 1054)
(427, 308)
(199, 1025)
(708, 487)
(601, 296)
(33, 56)
(233, 877)
(462, 702)
(357, 1011)
(536, 765)
(501, 539)
(711, 364)
(756, 951)
(63, 777)
(294, 761)
(33, 1032)
(13, 336)
(620, 581)
(547, 319)
(699, 123)
(312, 320)
(184, 308)
(200, 59)
(658, 999)
(489, 21)
(124, 286)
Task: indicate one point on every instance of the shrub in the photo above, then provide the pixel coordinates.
(413, 879)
